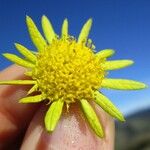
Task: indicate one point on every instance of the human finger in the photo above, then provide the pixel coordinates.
(72, 132)
(14, 117)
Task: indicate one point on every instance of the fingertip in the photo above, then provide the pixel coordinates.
(72, 132)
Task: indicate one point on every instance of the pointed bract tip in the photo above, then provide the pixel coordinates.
(122, 119)
(131, 62)
(27, 17)
(145, 86)
(20, 102)
(49, 130)
(66, 19)
(4, 54)
(90, 21)
(101, 134)
(44, 17)
(16, 44)
(112, 51)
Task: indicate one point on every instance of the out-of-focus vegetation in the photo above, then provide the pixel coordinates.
(134, 134)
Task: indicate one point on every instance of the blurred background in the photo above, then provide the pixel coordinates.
(122, 25)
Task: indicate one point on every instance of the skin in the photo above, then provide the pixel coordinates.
(21, 125)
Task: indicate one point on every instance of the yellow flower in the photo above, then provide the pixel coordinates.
(66, 70)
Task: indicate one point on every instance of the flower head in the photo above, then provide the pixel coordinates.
(66, 70)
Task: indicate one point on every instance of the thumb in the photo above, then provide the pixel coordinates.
(72, 132)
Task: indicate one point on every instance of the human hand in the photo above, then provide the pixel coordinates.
(21, 125)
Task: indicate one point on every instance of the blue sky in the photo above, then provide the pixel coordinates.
(123, 25)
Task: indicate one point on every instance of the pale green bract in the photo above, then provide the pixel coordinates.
(122, 84)
(117, 64)
(53, 114)
(25, 52)
(35, 35)
(32, 99)
(48, 29)
(92, 118)
(108, 106)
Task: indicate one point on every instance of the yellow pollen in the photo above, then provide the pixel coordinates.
(68, 70)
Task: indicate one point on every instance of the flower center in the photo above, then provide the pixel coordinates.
(68, 70)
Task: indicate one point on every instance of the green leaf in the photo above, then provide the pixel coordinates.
(48, 29)
(35, 35)
(32, 99)
(108, 106)
(92, 118)
(85, 31)
(117, 64)
(18, 60)
(53, 115)
(122, 84)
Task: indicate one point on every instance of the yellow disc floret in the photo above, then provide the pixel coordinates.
(68, 70)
